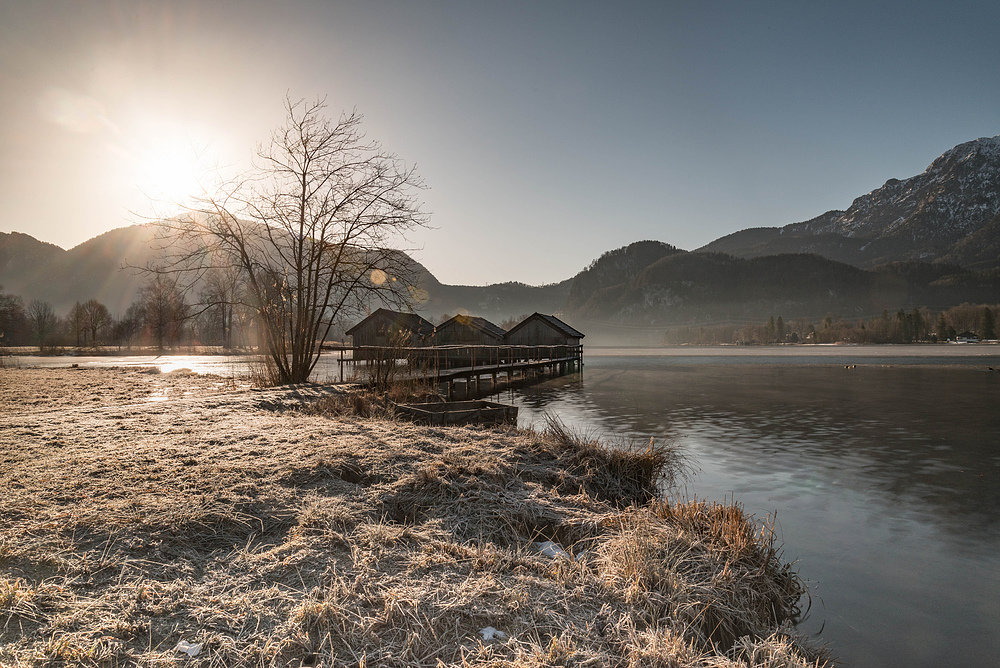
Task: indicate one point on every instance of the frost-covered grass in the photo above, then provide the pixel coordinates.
(271, 534)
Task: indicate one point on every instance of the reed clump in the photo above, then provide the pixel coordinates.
(368, 403)
(314, 537)
(359, 403)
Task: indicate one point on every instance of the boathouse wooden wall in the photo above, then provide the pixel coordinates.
(390, 328)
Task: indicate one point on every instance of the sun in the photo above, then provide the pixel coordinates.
(171, 170)
(168, 162)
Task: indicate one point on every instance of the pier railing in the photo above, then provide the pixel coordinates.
(451, 361)
(447, 357)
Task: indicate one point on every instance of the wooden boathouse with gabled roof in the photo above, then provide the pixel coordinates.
(465, 348)
(390, 329)
(539, 329)
(470, 330)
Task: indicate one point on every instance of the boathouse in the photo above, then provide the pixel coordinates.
(466, 349)
(391, 328)
(468, 330)
(539, 329)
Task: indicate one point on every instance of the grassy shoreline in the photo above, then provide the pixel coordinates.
(146, 509)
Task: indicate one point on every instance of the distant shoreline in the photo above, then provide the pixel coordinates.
(958, 350)
(924, 348)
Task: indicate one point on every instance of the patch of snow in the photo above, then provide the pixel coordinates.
(551, 549)
(192, 649)
(489, 633)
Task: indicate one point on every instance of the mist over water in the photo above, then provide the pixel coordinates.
(885, 478)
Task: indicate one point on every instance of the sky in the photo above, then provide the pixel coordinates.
(546, 133)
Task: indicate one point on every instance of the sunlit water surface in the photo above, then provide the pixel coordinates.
(885, 476)
(327, 369)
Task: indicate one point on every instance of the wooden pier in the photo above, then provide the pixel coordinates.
(444, 365)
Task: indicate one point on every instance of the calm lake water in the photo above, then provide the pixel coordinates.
(885, 477)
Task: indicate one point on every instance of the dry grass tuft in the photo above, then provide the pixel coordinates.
(318, 537)
(365, 403)
(346, 404)
(622, 471)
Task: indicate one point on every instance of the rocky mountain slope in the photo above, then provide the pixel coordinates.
(928, 217)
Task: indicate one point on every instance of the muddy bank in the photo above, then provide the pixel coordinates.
(143, 510)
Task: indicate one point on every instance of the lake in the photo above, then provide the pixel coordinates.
(884, 477)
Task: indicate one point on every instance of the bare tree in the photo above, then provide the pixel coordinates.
(77, 322)
(96, 319)
(311, 233)
(42, 320)
(163, 309)
(128, 327)
(13, 320)
(220, 298)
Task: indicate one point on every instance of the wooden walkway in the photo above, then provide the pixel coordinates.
(474, 375)
(445, 365)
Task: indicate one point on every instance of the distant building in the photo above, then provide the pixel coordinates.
(468, 330)
(967, 337)
(391, 328)
(543, 330)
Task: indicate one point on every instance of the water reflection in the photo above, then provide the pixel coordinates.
(885, 480)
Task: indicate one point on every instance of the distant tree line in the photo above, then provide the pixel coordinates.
(160, 317)
(920, 325)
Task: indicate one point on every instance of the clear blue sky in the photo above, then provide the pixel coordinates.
(547, 132)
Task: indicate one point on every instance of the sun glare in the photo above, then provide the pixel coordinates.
(171, 172)
(169, 163)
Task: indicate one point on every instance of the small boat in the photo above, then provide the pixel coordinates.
(459, 412)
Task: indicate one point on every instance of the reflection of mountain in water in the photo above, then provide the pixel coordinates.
(919, 439)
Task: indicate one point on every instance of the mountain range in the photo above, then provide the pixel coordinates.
(950, 213)
(102, 268)
(696, 288)
(930, 240)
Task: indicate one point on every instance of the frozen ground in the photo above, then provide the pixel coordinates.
(148, 518)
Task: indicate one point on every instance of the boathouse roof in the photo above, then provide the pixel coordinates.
(552, 321)
(475, 322)
(409, 321)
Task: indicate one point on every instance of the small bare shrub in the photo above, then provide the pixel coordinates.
(387, 365)
(263, 372)
(362, 404)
